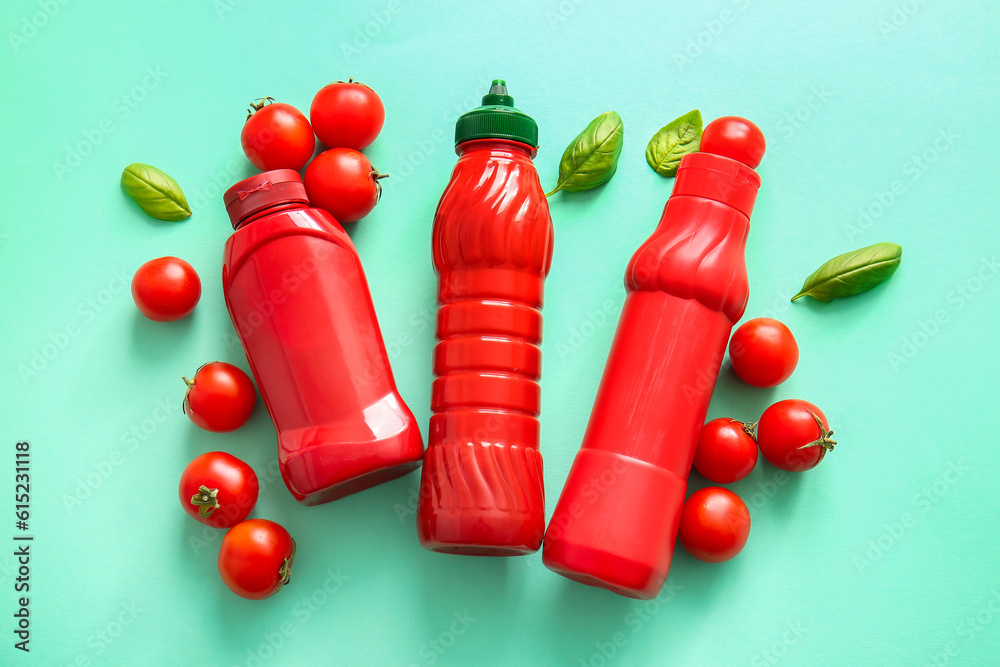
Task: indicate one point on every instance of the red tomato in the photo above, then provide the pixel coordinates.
(218, 489)
(343, 182)
(726, 451)
(763, 352)
(277, 136)
(735, 138)
(220, 398)
(794, 435)
(166, 289)
(715, 524)
(255, 560)
(346, 114)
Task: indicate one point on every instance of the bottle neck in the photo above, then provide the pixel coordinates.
(277, 207)
(499, 146)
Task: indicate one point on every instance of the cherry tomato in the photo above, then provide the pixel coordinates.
(343, 182)
(277, 136)
(715, 524)
(726, 451)
(736, 138)
(220, 398)
(763, 352)
(255, 560)
(166, 289)
(218, 489)
(346, 114)
(794, 435)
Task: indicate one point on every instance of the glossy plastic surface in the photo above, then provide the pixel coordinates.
(481, 487)
(299, 300)
(616, 521)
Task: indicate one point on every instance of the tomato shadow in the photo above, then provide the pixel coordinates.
(851, 307)
(735, 398)
(152, 340)
(575, 201)
(485, 581)
(770, 492)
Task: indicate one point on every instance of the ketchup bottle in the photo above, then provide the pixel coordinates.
(299, 300)
(616, 521)
(481, 486)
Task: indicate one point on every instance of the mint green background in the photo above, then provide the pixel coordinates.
(827, 577)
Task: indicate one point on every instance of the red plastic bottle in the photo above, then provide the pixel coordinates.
(481, 486)
(299, 300)
(616, 521)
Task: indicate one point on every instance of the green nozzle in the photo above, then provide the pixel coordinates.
(498, 95)
(497, 118)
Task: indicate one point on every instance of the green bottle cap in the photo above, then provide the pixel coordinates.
(497, 118)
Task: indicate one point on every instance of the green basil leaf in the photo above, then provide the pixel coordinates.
(852, 273)
(592, 158)
(674, 140)
(155, 193)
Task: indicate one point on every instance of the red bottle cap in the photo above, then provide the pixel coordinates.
(264, 190)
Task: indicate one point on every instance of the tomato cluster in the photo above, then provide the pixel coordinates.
(216, 488)
(220, 490)
(792, 434)
(346, 116)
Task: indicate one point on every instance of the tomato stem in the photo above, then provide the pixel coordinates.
(258, 104)
(187, 392)
(377, 177)
(748, 427)
(285, 571)
(824, 440)
(206, 500)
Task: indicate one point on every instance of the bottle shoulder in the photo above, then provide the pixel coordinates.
(696, 252)
(493, 213)
(307, 222)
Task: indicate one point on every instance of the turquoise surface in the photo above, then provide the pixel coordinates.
(881, 119)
